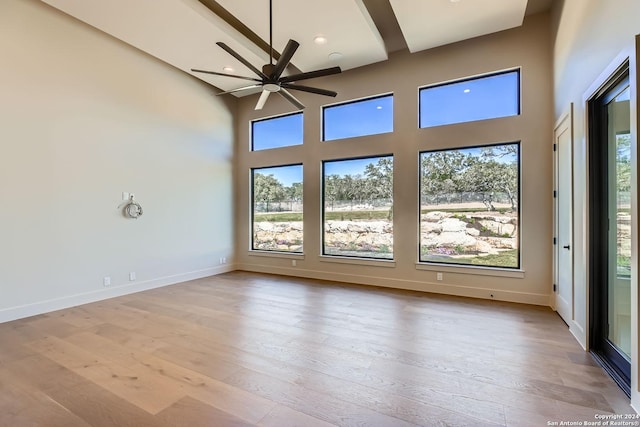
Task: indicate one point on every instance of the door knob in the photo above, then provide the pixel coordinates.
(567, 247)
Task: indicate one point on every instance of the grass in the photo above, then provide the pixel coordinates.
(335, 216)
(503, 259)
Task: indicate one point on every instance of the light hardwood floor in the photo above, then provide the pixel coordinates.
(245, 349)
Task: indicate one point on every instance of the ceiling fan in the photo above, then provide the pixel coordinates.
(270, 78)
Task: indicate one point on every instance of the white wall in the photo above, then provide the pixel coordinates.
(588, 36)
(84, 117)
(527, 47)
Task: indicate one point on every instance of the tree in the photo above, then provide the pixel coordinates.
(294, 192)
(487, 177)
(380, 181)
(331, 189)
(267, 189)
(443, 173)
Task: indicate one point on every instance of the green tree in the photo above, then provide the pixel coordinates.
(443, 173)
(267, 189)
(332, 186)
(379, 178)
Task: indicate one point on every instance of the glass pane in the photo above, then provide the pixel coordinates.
(367, 117)
(358, 207)
(620, 215)
(277, 209)
(283, 131)
(469, 206)
(469, 100)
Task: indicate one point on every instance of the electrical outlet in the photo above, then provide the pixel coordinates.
(293, 263)
(106, 281)
(438, 276)
(224, 260)
(125, 195)
(132, 276)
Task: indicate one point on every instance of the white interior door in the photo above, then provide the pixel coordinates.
(563, 203)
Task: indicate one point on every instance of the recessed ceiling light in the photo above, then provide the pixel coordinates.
(334, 56)
(320, 40)
(454, 1)
(228, 69)
(467, 90)
(379, 107)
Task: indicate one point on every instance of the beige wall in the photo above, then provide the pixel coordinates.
(588, 36)
(527, 47)
(83, 118)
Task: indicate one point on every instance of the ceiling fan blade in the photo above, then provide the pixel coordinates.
(262, 100)
(311, 75)
(226, 75)
(241, 59)
(309, 89)
(285, 58)
(292, 99)
(240, 89)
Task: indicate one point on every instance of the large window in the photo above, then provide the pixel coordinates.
(358, 207)
(479, 98)
(358, 118)
(470, 206)
(275, 132)
(277, 208)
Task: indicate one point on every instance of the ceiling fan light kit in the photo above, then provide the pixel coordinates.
(270, 78)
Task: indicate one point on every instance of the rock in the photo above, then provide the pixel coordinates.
(472, 232)
(485, 248)
(453, 225)
(435, 216)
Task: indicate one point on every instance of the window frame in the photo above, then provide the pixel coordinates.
(425, 263)
(517, 70)
(333, 257)
(252, 204)
(355, 101)
(264, 119)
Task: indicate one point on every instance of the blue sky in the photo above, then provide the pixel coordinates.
(287, 175)
(277, 132)
(368, 117)
(478, 99)
(348, 167)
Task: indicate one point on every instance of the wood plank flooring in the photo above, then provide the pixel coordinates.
(244, 349)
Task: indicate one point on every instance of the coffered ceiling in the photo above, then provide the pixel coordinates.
(184, 33)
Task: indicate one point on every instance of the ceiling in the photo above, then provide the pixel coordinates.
(183, 33)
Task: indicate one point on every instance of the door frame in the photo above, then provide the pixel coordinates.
(629, 55)
(565, 122)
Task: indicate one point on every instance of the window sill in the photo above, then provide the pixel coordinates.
(475, 270)
(275, 254)
(388, 263)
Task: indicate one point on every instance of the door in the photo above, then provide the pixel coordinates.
(610, 226)
(563, 207)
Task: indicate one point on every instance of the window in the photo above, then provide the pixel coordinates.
(358, 118)
(358, 207)
(479, 98)
(277, 208)
(469, 207)
(276, 132)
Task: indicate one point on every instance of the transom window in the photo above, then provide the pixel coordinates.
(477, 98)
(276, 132)
(369, 116)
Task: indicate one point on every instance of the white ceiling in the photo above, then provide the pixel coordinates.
(183, 33)
(426, 24)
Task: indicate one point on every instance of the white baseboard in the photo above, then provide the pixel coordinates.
(412, 285)
(40, 307)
